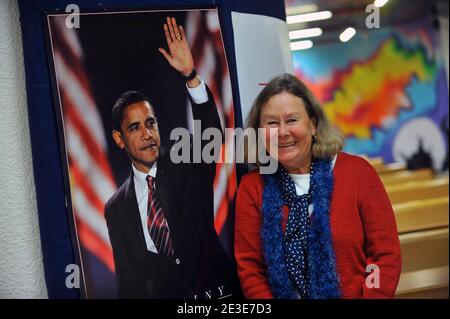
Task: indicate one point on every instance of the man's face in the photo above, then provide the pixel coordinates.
(139, 135)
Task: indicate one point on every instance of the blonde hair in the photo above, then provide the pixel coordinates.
(329, 141)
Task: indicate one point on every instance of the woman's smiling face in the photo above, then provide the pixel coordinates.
(287, 113)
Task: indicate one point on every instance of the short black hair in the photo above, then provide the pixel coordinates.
(125, 99)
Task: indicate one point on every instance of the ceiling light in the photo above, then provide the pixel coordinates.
(305, 33)
(380, 3)
(314, 16)
(301, 9)
(347, 34)
(301, 45)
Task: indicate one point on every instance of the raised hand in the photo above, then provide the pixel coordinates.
(179, 56)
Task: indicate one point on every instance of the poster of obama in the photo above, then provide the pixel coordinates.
(146, 225)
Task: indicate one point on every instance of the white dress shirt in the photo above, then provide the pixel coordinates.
(141, 189)
(199, 96)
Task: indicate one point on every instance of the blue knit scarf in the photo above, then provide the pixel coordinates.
(323, 282)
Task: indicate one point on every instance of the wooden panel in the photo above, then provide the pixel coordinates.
(424, 249)
(427, 283)
(387, 169)
(425, 269)
(421, 214)
(376, 162)
(413, 190)
(406, 176)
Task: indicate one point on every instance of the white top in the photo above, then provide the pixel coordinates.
(302, 183)
(199, 96)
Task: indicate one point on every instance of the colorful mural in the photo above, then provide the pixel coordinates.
(377, 85)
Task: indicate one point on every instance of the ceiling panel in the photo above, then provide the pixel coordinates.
(352, 13)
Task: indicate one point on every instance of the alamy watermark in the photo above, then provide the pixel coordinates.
(73, 18)
(373, 278)
(241, 146)
(373, 19)
(73, 277)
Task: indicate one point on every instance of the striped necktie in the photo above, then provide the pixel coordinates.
(157, 225)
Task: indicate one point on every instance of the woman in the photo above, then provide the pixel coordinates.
(322, 226)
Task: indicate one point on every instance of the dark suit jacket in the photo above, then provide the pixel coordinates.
(199, 267)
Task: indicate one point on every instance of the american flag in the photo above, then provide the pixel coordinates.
(91, 179)
(205, 39)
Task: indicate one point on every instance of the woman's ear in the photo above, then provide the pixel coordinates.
(314, 128)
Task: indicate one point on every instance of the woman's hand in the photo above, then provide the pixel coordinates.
(179, 56)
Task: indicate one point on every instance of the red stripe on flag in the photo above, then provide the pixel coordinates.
(228, 198)
(68, 53)
(94, 149)
(221, 215)
(92, 242)
(83, 183)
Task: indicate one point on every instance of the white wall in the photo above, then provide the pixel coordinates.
(273, 58)
(21, 267)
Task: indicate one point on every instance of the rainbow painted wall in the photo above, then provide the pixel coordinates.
(386, 90)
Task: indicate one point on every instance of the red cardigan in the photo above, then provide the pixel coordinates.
(362, 224)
